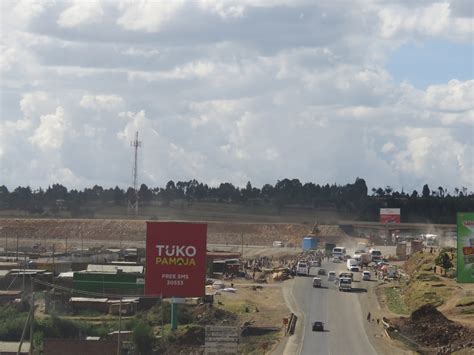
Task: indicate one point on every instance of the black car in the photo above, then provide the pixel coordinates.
(322, 272)
(318, 327)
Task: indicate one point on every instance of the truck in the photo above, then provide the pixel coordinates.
(353, 265)
(302, 269)
(278, 244)
(375, 254)
(328, 248)
(364, 259)
(345, 284)
(361, 248)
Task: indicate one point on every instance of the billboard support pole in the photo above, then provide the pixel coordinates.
(174, 316)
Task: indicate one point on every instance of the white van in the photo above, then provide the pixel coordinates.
(302, 269)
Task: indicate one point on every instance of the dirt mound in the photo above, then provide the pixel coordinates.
(106, 231)
(430, 328)
(428, 313)
(209, 314)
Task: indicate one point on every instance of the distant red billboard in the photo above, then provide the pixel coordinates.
(175, 259)
(389, 215)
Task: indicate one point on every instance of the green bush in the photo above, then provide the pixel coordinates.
(143, 338)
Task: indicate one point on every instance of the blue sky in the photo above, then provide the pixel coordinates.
(432, 62)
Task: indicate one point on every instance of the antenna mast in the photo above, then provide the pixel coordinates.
(133, 198)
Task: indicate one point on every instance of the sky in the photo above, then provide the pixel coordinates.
(236, 91)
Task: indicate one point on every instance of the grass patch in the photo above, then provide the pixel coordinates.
(258, 344)
(465, 301)
(467, 311)
(428, 277)
(395, 301)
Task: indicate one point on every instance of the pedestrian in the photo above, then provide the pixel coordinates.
(378, 321)
(368, 317)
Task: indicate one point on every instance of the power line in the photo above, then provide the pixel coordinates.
(89, 293)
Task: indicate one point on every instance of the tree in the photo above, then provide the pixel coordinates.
(426, 191)
(143, 338)
(145, 194)
(118, 195)
(444, 260)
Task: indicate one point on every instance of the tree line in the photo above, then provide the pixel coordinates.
(430, 205)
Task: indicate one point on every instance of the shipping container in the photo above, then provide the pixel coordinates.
(310, 243)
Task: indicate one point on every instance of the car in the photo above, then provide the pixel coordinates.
(346, 274)
(315, 263)
(316, 282)
(322, 271)
(336, 260)
(366, 275)
(318, 326)
(331, 275)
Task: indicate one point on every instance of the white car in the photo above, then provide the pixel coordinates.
(336, 260)
(331, 275)
(366, 275)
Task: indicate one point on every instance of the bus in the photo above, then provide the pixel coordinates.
(339, 252)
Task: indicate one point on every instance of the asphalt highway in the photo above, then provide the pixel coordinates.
(340, 311)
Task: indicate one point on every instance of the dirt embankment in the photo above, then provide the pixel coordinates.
(431, 329)
(37, 230)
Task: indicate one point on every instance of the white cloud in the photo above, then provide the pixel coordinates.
(388, 147)
(432, 20)
(456, 96)
(148, 16)
(50, 132)
(81, 13)
(426, 156)
(229, 91)
(102, 102)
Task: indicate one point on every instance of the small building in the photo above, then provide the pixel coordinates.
(8, 265)
(11, 347)
(416, 245)
(125, 335)
(9, 295)
(128, 306)
(89, 303)
(401, 249)
(110, 282)
(112, 268)
(79, 347)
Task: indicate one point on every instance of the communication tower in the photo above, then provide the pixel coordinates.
(133, 197)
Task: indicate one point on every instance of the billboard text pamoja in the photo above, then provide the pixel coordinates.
(175, 259)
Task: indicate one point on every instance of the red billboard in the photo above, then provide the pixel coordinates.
(389, 215)
(175, 259)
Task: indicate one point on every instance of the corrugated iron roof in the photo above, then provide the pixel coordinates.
(115, 268)
(88, 299)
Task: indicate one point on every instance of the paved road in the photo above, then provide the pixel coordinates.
(340, 311)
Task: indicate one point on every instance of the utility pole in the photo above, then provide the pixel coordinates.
(133, 200)
(17, 236)
(32, 324)
(119, 345)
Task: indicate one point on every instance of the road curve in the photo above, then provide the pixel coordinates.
(340, 311)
